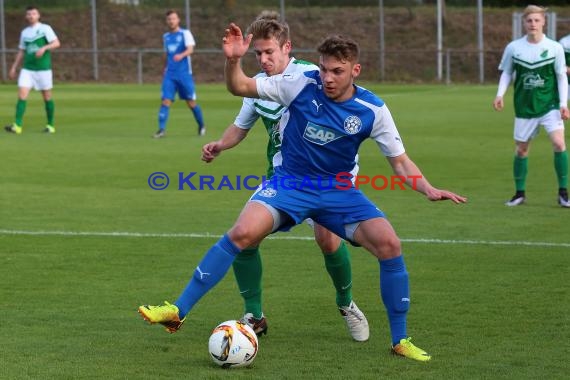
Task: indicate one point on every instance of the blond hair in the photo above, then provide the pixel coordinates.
(534, 9)
(267, 26)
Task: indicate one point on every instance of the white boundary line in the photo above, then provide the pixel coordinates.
(273, 237)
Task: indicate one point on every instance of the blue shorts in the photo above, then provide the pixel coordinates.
(332, 208)
(183, 84)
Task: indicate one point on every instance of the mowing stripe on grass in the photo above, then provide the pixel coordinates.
(273, 237)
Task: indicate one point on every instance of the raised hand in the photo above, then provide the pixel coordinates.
(234, 44)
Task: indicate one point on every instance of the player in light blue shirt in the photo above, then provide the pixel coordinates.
(177, 77)
(327, 119)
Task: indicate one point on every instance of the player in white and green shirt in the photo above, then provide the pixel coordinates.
(36, 42)
(538, 67)
(272, 47)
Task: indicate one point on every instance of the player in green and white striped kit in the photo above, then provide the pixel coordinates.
(36, 42)
(541, 92)
(272, 47)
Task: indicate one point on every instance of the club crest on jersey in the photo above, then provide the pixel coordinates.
(352, 124)
(544, 54)
(267, 192)
(319, 135)
(532, 80)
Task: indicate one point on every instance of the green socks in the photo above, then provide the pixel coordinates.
(248, 271)
(50, 109)
(561, 166)
(20, 110)
(338, 266)
(520, 168)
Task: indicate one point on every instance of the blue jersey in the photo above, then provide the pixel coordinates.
(176, 43)
(321, 137)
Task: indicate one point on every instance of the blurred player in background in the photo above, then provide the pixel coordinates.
(327, 119)
(541, 92)
(177, 76)
(272, 45)
(36, 42)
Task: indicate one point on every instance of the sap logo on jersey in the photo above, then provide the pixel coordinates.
(320, 135)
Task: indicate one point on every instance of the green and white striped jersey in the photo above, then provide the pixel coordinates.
(32, 39)
(269, 112)
(534, 67)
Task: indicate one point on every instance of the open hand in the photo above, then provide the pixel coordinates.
(234, 44)
(442, 195)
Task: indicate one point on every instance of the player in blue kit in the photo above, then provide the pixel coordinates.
(328, 117)
(177, 78)
(272, 47)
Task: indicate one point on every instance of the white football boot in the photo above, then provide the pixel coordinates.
(356, 322)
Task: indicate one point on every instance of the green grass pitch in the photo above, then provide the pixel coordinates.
(484, 306)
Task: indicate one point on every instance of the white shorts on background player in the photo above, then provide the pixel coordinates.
(38, 80)
(527, 129)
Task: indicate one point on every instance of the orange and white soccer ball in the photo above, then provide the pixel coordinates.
(233, 344)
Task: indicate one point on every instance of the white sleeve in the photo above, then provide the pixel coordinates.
(506, 64)
(247, 115)
(282, 89)
(504, 82)
(188, 38)
(562, 89)
(561, 77)
(50, 34)
(21, 44)
(385, 133)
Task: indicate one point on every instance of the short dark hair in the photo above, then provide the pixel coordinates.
(341, 47)
(267, 26)
(32, 7)
(169, 12)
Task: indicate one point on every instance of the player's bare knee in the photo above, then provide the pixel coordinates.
(389, 248)
(559, 145)
(166, 102)
(522, 150)
(241, 235)
(328, 244)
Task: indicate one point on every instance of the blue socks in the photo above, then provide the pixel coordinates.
(197, 111)
(163, 116)
(395, 292)
(207, 274)
(164, 111)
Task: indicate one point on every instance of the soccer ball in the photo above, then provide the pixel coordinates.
(233, 344)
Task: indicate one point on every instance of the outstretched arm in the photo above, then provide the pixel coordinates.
(232, 136)
(403, 166)
(235, 46)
